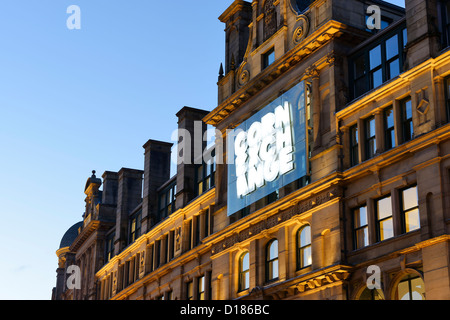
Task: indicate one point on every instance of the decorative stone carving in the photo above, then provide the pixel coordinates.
(301, 30)
(270, 19)
(244, 77)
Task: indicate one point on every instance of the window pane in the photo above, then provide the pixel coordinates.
(384, 208)
(403, 290)
(271, 58)
(245, 262)
(390, 139)
(410, 198)
(371, 148)
(274, 271)
(306, 257)
(247, 280)
(305, 236)
(273, 250)
(389, 114)
(201, 288)
(417, 289)
(200, 188)
(362, 238)
(405, 37)
(360, 216)
(384, 24)
(360, 66)
(392, 47)
(162, 201)
(360, 86)
(375, 57)
(200, 173)
(190, 291)
(386, 229)
(412, 220)
(371, 127)
(377, 78)
(407, 109)
(394, 69)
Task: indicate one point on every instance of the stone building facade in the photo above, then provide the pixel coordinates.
(372, 204)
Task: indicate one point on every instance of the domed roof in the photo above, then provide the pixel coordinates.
(70, 235)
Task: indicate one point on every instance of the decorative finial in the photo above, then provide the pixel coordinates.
(221, 71)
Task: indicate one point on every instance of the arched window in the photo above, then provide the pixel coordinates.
(272, 260)
(304, 257)
(410, 287)
(244, 271)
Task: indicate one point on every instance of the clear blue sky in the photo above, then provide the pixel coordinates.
(73, 101)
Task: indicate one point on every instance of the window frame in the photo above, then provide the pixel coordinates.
(368, 138)
(378, 220)
(109, 247)
(201, 288)
(366, 78)
(167, 206)
(355, 228)
(244, 275)
(207, 180)
(266, 61)
(408, 279)
(190, 290)
(447, 97)
(389, 136)
(301, 264)
(354, 145)
(270, 263)
(404, 211)
(136, 218)
(444, 23)
(407, 124)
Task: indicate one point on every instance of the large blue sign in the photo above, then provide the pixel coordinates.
(267, 151)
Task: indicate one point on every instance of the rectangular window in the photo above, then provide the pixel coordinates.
(385, 222)
(197, 230)
(410, 210)
(204, 177)
(376, 67)
(392, 57)
(379, 62)
(406, 119)
(190, 234)
(360, 228)
(190, 290)
(370, 142)
(171, 244)
(354, 146)
(359, 76)
(447, 97)
(389, 128)
(167, 198)
(268, 58)
(201, 288)
(109, 247)
(135, 227)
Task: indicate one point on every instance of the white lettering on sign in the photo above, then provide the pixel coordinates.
(265, 151)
